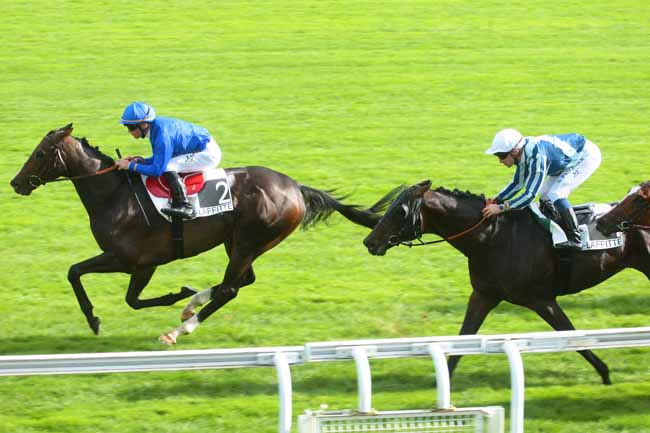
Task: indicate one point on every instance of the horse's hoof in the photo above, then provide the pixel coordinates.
(167, 339)
(606, 380)
(94, 325)
(187, 291)
(186, 314)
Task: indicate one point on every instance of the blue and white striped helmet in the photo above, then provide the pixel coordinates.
(137, 112)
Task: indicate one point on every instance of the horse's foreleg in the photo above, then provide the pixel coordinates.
(478, 308)
(139, 280)
(103, 263)
(551, 312)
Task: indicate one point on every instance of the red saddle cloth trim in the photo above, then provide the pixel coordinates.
(159, 187)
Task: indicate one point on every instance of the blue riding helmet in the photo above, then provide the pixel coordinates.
(137, 112)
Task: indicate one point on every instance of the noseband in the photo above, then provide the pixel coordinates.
(627, 224)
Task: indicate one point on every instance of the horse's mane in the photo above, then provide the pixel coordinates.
(459, 194)
(94, 151)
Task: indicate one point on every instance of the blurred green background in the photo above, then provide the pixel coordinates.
(359, 96)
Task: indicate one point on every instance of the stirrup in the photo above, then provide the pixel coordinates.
(184, 211)
(569, 245)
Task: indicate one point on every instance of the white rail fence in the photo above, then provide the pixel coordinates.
(360, 351)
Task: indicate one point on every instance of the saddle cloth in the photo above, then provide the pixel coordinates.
(208, 192)
(587, 215)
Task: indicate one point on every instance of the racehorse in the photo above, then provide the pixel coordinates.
(631, 213)
(268, 206)
(510, 257)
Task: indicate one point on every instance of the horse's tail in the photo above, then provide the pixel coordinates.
(321, 204)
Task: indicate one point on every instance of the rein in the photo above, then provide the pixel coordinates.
(447, 239)
(416, 229)
(57, 152)
(83, 176)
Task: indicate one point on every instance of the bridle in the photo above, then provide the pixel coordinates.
(627, 224)
(36, 180)
(413, 229)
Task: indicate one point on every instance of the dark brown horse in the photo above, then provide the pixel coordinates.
(268, 206)
(510, 257)
(631, 213)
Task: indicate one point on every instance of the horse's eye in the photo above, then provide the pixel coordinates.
(39, 154)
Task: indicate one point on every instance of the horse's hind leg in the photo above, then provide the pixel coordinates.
(205, 296)
(103, 263)
(221, 294)
(139, 280)
(551, 312)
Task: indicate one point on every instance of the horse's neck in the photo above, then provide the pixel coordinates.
(449, 215)
(97, 193)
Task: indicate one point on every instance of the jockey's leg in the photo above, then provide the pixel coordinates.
(180, 206)
(570, 222)
(572, 177)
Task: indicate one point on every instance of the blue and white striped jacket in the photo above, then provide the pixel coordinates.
(546, 155)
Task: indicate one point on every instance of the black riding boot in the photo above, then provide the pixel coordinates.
(180, 206)
(571, 228)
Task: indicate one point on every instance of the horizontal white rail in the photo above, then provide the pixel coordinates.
(480, 344)
(359, 350)
(120, 362)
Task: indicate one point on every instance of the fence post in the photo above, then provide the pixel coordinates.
(284, 392)
(517, 386)
(364, 382)
(442, 376)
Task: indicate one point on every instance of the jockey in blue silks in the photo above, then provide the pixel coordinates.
(549, 165)
(177, 146)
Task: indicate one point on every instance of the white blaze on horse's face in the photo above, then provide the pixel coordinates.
(633, 190)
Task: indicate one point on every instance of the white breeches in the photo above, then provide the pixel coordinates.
(197, 161)
(556, 187)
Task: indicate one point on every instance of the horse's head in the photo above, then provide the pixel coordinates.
(633, 209)
(400, 223)
(46, 162)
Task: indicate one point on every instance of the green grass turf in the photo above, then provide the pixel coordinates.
(361, 96)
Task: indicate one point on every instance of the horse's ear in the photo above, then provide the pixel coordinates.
(644, 192)
(423, 186)
(60, 134)
(66, 130)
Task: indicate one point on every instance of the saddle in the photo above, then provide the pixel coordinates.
(208, 192)
(158, 186)
(587, 215)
